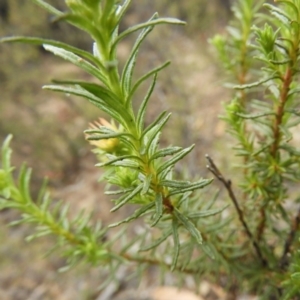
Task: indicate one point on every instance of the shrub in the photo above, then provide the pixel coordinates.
(252, 240)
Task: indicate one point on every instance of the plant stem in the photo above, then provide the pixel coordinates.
(287, 247)
(262, 224)
(227, 183)
(287, 80)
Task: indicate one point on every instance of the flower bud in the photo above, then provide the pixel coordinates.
(107, 145)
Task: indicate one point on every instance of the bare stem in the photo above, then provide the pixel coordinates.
(288, 244)
(227, 183)
(262, 224)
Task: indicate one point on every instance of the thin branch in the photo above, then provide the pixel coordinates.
(287, 81)
(227, 183)
(261, 225)
(290, 239)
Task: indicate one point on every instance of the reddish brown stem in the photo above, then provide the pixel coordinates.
(287, 80)
(168, 204)
(262, 223)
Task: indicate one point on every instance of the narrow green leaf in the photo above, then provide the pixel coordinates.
(296, 275)
(279, 14)
(128, 198)
(146, 76)
(293, 91)
(189, 225)
(254, 84)
(108, 13)
(215, 227)
(265, 146)
(83, 24)
(132, 242)
(154, 144)
(120, 158)
(152, 133)
(40, 41)
(280, 62)
(283, 18)
(38, 234)
(158, 119)
(188, 255)
(208, 249)
(122, 10)
(139, 212)
(255, 116)
(117, 192)
(176, 243)
(175, 183)
(147, 183)
(126, 163)
(166, 173)
(288, 135)
(112, 100)
(182, 199)
(284, 50)
(206, 213)
(4, 196)
(126, 138)
(78, 91)
(158, 241)
(159, 209)
(64, 211)
(42, 191)
(291, 4)
(48, 7)
(130, 63)
(147, 24)
(142, 110)
(77, 61)
(101, 129)
(6, 155)
(44, 206)
(192, 187)
(165, 152)
(24, 179)
(130, 161)
(104, 136)
(98, 90)
(174, 159)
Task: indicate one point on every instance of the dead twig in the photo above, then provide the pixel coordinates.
(227, 183)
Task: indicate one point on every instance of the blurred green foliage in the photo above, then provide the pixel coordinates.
(43, 110)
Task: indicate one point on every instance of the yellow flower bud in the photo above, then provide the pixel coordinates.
(107, 145)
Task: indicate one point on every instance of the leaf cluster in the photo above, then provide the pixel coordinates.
(185, 230)
(262, 117)
(77, 237)
(139, 171)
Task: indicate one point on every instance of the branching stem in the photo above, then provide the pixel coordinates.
(227, 183)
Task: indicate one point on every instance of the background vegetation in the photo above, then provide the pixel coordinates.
(35, 117)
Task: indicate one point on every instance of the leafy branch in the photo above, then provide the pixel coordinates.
(185, 229)
(127, 149)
